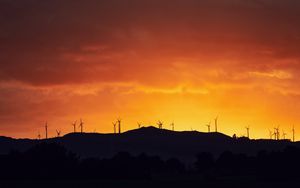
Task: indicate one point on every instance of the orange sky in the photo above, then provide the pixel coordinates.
(185, 61)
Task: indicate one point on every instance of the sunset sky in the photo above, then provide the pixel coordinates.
(185, 61)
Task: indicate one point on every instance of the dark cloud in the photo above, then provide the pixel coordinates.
(36, 36)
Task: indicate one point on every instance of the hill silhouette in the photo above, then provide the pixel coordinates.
(183, 145)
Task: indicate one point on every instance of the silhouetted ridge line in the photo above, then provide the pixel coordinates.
(154, 130)
(150, 140)
(148, 130)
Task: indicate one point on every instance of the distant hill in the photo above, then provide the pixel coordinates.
(165, 143)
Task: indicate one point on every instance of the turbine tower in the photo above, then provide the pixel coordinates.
(81, 125)
(293, 131)
(160, 124)
(139, 124)
(119, 125)
(276, 133)
(114, 124)
(208, 127)
(74, 126)
(58, 133)
(216, 124)
(248, 128)
(46, 129)
(173, 126)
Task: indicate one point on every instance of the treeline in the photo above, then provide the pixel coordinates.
(52, 161)
(280, 165)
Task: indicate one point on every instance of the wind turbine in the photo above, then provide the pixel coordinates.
(216, 124)
(139, 124)
(46, 129)
(248, 128)
(114, 124)
(173, 126)
(208, 127)
(81, 125)
(39, 136)
(74, 126)
(160, 124)
(119, 125)
(276, 133)
(58, 133)
(293, 130)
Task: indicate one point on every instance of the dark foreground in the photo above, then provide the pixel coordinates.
(51, 165)
(225, 183)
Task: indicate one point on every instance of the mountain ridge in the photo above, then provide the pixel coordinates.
(183, 145)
